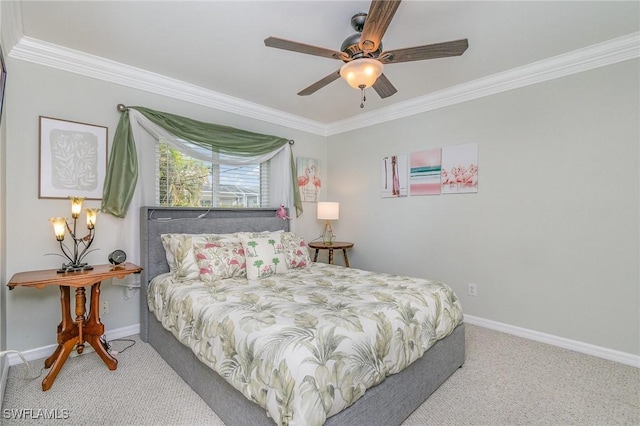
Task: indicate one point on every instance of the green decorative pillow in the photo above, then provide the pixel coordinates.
(295, 250)
(264, 253)
(180, 253)
(219, 260)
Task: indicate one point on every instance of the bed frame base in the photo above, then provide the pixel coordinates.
(386, 404)
(377, 407)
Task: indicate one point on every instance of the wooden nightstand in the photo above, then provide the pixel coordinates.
(336, 245)
(74, 333)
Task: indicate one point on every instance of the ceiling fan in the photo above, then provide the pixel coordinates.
(362, 52)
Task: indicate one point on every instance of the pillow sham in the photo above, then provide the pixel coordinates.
(219, 260)
(296, 251)
(264, 253)
(181, 256)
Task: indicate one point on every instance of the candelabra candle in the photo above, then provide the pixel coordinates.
(80, 245)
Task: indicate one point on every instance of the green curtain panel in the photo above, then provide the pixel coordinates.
(122, 171)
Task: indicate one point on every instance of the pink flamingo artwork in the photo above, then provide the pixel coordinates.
(304, 180)
(317, 183)
(308, 176)
(460, 169)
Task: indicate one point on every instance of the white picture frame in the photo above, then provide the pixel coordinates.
(73, 159)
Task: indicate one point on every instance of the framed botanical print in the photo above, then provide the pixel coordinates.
(73, 159)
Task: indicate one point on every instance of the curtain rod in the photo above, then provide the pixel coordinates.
(123, 108)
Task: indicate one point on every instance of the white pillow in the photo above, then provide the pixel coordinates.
(264, 253)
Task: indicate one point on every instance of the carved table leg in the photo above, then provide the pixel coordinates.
(66, 329)
(330, 256)
(346, 259)
(81, 301)
(59, 361)
(94, 329)
(315, 257)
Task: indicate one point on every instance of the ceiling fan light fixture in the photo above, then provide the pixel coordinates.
(361, 73)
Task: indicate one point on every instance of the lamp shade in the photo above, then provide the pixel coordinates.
(328, 210)
(59, 227)
(361, 73)
(76, 206)
(92, 215)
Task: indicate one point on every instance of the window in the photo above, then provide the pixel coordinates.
(183, 180)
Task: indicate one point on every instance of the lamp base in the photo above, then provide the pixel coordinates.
(327, 234)
(74, 268)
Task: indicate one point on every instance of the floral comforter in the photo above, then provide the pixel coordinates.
(306, 344)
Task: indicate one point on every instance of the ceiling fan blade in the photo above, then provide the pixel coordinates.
(320, 84)
(294, 46)
(375, 25)
(383, 87)
(429, 51)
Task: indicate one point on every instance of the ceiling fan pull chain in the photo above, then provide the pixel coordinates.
(363, 98)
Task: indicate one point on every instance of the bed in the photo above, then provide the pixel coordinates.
(389, 401)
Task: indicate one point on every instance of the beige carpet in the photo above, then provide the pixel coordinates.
(506, 380)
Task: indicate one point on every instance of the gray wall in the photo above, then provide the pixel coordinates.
(32, 315)
(551, 238)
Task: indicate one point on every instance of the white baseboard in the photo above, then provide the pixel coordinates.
(45, 351)
(585, 348)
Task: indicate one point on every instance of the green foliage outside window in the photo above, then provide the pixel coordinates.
(181, 178)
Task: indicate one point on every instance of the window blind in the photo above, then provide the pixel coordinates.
(183, 180)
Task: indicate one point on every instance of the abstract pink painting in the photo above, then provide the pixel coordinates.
(424, 172)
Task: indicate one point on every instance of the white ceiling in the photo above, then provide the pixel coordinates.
(218, 45)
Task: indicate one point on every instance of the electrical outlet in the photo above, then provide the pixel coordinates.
(104, 307)
(473, 290)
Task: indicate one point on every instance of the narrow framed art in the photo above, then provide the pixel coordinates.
(309, 180)
(73, 159)
(3, 80)
(394, 173)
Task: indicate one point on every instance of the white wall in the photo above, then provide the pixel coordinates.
(551, 238)
(33, 90)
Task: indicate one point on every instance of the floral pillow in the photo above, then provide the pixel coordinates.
(180, 253)
(219, 260)
(295, 250)
(264, 253)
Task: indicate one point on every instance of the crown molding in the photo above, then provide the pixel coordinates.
(595, 56)
(62, 58)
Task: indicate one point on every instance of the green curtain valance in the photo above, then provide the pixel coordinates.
(122, 171)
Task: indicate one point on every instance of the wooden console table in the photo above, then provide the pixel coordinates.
(74, 333)
(336, 245)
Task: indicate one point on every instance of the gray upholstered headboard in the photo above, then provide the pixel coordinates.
(155, 221)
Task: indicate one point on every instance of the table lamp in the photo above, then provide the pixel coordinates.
(328, 211)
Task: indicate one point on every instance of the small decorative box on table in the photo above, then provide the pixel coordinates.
(74, 333)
